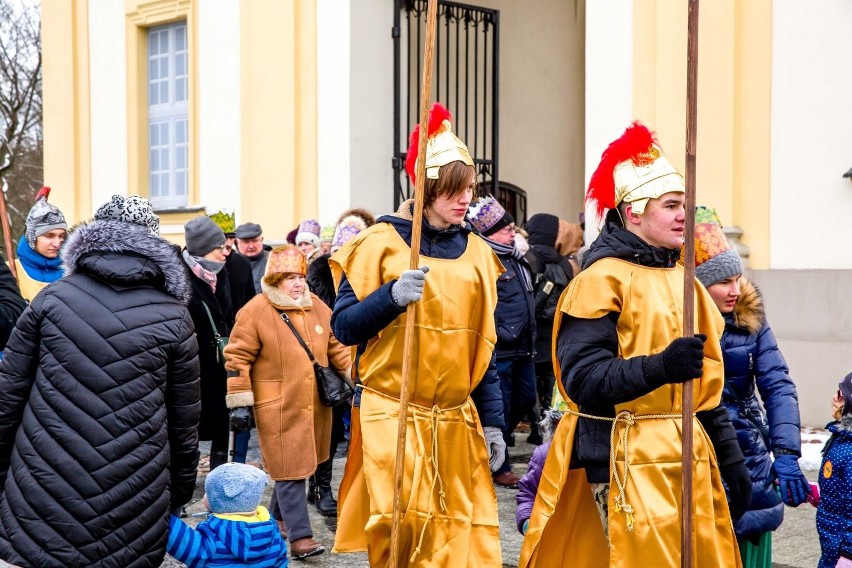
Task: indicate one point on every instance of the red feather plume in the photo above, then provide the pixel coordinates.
(634, 144)
(437, 115)
(43, 192)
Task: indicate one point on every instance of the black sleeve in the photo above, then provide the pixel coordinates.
(488, 398)
(17, 374)
(592, 371)
(721, 431)
(11, 303)
(183, 407)
(355, 322)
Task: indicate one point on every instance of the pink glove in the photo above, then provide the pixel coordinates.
(843, 563)
(813, 498)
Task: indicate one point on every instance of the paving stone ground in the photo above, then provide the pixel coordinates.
(795, 544)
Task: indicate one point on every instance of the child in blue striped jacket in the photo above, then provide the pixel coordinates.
(238, 532)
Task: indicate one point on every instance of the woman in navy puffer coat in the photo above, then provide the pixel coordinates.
(754, 364)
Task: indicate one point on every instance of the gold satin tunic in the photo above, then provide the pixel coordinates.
(564, 527)
(453, 342)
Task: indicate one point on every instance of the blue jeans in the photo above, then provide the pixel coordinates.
(517, 382)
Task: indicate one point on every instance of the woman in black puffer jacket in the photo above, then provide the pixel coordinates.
(99, 402)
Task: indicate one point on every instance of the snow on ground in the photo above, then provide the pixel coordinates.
(813, 439)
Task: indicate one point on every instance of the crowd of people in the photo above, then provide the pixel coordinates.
(123, 351)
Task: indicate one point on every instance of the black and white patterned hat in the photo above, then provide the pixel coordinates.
(133, 209)
(43, 217)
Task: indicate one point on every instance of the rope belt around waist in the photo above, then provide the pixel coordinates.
(628, 419)
(434, 413)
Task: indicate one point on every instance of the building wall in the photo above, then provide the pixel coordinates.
(806, 311)
(541, 102)
(811, 146)
(219, 105)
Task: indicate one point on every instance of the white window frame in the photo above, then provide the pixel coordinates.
(168, 116)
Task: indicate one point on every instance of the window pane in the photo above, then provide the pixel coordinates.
(180, 64)
(164, 159)
(180, 38)
(180, 90)
(155, 160)
(155, 185)
(164, 133)
(153, 46)
(153, 133)
(164, 93)
(180, 157)
(164, 67)
(180, 183)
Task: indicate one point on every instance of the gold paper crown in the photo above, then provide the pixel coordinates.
(638, 180)
(443, 148)
(286, 259)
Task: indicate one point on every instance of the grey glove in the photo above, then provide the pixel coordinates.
(496, 447)
(409, 286)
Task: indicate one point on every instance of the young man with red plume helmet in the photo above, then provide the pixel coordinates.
(455, 413)
(621, 361)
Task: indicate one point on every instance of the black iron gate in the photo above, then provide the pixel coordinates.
(466, 79)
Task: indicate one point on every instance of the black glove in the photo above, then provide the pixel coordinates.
(242, 419)
(739, 487)
(683, 359)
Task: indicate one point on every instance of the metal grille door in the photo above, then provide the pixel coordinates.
(466, 65)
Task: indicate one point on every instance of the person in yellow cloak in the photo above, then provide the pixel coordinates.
(449, 515)
(620, 359)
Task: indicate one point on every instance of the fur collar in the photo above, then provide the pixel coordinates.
(405, 210)
(749, 311)
(846, 422)
(103, 236)
(549, 422)
(282, 301)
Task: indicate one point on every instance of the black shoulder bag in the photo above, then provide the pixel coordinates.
(333, 388)
(218, 340)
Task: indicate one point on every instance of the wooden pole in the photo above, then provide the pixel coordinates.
(7, 234)
(419, 183)
(689, 280)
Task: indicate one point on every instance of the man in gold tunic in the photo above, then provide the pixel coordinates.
(449, 508)
(621, 356)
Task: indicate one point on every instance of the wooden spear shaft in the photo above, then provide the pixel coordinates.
(419, 183)
(689, 279)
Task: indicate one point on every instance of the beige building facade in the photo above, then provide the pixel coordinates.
(282, 110)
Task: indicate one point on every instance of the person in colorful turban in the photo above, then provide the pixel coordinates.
(622, 357)
(456, 407)
(753, 364)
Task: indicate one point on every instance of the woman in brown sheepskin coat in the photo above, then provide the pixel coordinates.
(269, 371)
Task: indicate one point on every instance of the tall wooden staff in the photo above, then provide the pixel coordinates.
(7, 234)
(419, 182)
(689, 278)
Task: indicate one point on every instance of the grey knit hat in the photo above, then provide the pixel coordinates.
(235, 488)
(203, 235)
(724, 265)
(133, 209)
(43, 217)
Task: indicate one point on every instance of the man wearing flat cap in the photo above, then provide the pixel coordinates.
(250, 245)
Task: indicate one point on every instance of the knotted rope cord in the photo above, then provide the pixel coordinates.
(436, 478)
(434, 414)
(629, 419)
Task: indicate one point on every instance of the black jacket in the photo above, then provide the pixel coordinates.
(240, 280)
(515, 313)
(99, 406)
(597, 379)
(11, 303)
(354, 322)
(214, 380)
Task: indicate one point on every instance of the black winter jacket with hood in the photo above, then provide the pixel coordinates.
(597, 379)
(99, 406)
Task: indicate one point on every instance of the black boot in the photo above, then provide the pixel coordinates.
(313, 494)
(218, 458)
(325, 503)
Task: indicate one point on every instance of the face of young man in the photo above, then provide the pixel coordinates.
(250, 247)
(49, 243)
(306, 247)
(725, 293)
(662, 224)
(446, 211)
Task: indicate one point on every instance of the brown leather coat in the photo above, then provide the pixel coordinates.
(276, 377)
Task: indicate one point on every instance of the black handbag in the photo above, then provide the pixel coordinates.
(333, 388)
(218, 340)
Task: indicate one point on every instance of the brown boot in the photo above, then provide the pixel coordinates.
(281, 528)
(507, 479)
(305, 548)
